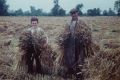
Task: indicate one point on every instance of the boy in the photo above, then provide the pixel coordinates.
(34, 44)
(75, 43)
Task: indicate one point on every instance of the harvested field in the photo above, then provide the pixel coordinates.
(105, 33)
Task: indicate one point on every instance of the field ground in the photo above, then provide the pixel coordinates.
(105, 31)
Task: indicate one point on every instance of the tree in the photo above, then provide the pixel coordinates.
(62, 12)
(19, 12)
(105, 13)
(117, 7)
(98, 12)
(90, 12)
(38, 12)
(3, 8)
(111, 12)
(94, 12)
(79, 7)
(57, 10)
(27, 13)
(35, 12)
(11, 13)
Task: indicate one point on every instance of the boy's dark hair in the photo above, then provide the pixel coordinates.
(72, 11)
(34, 19)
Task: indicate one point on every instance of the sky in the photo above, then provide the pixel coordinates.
(47, 5)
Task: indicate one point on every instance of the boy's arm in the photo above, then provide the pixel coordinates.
(45, 37)
(46, 43)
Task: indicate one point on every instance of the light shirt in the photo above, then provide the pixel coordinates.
(35, 30)
(72, 27)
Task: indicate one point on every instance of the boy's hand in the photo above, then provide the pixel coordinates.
(45, 45)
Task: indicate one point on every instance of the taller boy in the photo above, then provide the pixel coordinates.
(76, 44)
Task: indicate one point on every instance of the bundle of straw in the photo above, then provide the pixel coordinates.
(105, 65)
(35, 51)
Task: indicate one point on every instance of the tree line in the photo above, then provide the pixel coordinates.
(57, 10)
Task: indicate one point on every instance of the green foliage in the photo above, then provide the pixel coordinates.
(79, 8)
(27, 13)
(110, 12)
(57, 10)
(35, 12)
(3, 8)
(19, 12)
(105, 13)
(62, 12)
(94, 12)
(117, 7)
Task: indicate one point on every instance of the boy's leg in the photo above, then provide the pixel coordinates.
(80, 55)
(38, 64)
(30, 63)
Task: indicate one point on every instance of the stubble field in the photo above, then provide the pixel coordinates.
(105, 33)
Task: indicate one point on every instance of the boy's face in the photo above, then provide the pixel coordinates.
(34, 23)
(74, 16)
